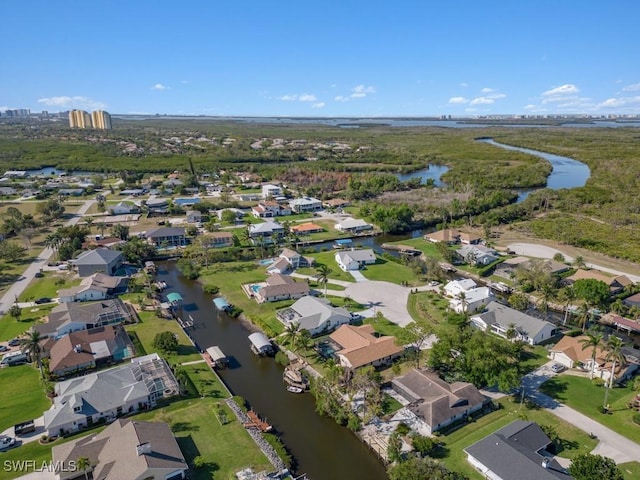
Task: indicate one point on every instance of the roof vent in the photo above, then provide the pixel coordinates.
(143, 448)
(77, 348)
(545, 462)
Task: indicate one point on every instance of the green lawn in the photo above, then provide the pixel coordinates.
(21, 396)
(581, 394)
(150, 325)
(30, 451)
(428, 307)
(631, 470)
(230, 276)
(533, 357)
(48, 286)
(328, 259)
(574, 440)
(426, 247)
(389, 271)
(10, 328)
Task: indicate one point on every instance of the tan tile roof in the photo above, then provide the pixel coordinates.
(590, 274)
(278, 284)
(360, 347)
(306, 227)
(573, 349)
(447, 235)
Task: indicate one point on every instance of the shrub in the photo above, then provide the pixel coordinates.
(212, 289)
(199, 462)
(598, 382)
(636, 418)
(282, 359)
(403, 428)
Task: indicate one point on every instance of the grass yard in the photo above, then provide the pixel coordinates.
(533, 357)
(581, 394)
(385, 327)
(428, 307)
(574, 440)
(631, 470)
(31, 451)
(389, 271)
(48, 286)
(150, 326)
(226, 448)
(10, 328)
(426, 247)
(328, 259)
(21, 396)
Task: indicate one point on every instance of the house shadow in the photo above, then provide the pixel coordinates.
(191, 451)
(555, 388)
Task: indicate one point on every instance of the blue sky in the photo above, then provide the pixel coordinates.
(321, 58)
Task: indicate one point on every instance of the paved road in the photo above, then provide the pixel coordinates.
(612, 444)
(41, 260)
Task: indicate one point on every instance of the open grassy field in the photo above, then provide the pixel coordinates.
(328, 259)
(583, 395)
(48, 286)
(428, 307)
(30, 451)
(22, 396)
(10, 328)
(390, 271)
(574, 440)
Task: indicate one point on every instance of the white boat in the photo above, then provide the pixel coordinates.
(293, 389)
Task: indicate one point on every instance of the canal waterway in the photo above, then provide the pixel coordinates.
(321, 448)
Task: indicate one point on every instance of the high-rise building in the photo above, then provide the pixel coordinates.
(79, 119)
(101, 120)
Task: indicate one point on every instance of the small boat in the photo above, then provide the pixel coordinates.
(222, 304)
(343, 243)
(293, 389)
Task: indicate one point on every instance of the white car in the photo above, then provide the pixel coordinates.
(6, 443)
(557, 368)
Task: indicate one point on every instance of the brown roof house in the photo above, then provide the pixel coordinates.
(87, 349)
(448, 235)
(125, 450)
(359, 347)
(217, 239)
(436, 402)
(280, 287)
(616, 284)
(289, 260)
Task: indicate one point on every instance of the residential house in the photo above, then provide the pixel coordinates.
(7, 191)
(269, 231)
(290, 260)
(124, 208)
(87, 349)
(521, 451)
(306, 229)
(632, 301)
(270, 209)
(71, 192)
(96, 287)
(133, 192)
(509, 267)
(615, 284)
(359, 347)
(353, 225)
(270, 191)
(477, 255)
(82, 402)
(572, 353)
(186, 202)
(437, 403)
(355, 259)
(460, 285)
(239, 213)
(217, 239)
(448, 235)
(100, 260)
(506, 321)
(336, 203)
(194, 216)
(125, 450)
(469, 238)
(167, 237)
(71, 317)
(305, 204)
(316, 315)
(158, 206)
(620, 323)
(280, 287)
(471, 300)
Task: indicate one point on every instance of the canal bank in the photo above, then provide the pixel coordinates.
(321, 448)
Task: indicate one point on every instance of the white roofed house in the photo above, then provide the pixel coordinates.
(316, 315)
(267, 231)
(305, 204)
(124, 208)
(271, 191)
(194, 216)
(471, 300)
(96, 287)
(290, 260)
(355, 259)
(507, 322)
(478, 254)
(353, 225)
(454, 287)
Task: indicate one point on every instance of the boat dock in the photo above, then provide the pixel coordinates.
(402, 249)
(222, 304)
(215, 357)
(256, 422)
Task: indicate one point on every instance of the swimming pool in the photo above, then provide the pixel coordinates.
(266, 261)
(255, 288)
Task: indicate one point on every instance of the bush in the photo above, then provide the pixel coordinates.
(403, 428)
(598, 382)
(212, 289)
(636, 418)
(199, 462)
(282, 359)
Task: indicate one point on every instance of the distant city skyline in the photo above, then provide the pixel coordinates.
(323, 59)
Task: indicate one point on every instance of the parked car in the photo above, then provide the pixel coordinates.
(14, 342)
(42, 300)
(557, 368)
(3, 348)
(6, 443)
(39, 275)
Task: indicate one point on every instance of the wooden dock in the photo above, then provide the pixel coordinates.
(256, 422)
(402, 249)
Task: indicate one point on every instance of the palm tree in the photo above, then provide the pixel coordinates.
(462, 296)
(583, 316)
(322, 274)
(592, 341)
(579, 262)
(53, 240)
(614, 355)
(618, 307)
(83, 464)
(102, 226)
(30, 344)
(291, 334)
(566, 295)
(88, 221)
(511, 331)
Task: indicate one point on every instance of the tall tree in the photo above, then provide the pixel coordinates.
(592, 341)
(30, 344)
(614, 355)
(589, 467)
(322, 274)
(83, 464)
(15, 312)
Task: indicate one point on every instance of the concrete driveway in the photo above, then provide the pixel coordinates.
(385, 297)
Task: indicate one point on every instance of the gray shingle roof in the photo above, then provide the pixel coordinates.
(503, 315)
(311, 312)
(99, 256)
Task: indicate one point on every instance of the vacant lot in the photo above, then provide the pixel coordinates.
(21, 396)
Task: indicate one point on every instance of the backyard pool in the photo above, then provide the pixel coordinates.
(266, 261)
(255, 288)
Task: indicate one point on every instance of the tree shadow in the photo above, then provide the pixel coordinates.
(441, 451)
(178, 427)
(555, 388)
(565, 444)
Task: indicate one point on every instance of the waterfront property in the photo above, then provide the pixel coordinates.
(270, 209)
(436, 403)
(103, 396)
(276, 287)
(355, 259)
(289, 260)
(513, 324)
(307, 228)
(305, 204)
(520, 450)
(217, 239)
(461, 285)
(615, 284)
(124, 208)
(352, 225)
(95, 287)
(316, 315)
(87, 349)
(125, 450)
(477, 255)
(359, 347)
(100, 260)
(448, 235)
(70, 317)
(260, 344)
(472, 300)
(267, 231)
(167, 237)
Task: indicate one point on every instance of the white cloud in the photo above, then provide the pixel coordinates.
(619, 102)
(632, 88)
(159, 86)
(340, 98)
(333, 85)
(482, 101)
(496, 96)
(361, 91)
(318, 105)
(295, 97)
(464, 84)
(458, 100)
(184, 82)
(77, 101)
(566, 89)
(487, 90)
(564, 99)
(4, 109)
